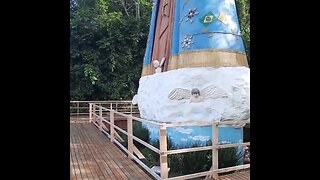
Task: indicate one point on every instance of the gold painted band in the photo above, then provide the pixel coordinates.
(203, 58)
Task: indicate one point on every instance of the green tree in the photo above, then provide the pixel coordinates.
(243, 11)
(107, 45)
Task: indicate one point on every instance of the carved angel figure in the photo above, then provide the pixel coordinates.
(158, 65)
(195, 95)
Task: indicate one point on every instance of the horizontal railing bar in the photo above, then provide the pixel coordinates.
(79, 107)
(137, 160)
(146, 144)
(188, 124)
(200, 174)
(134, 137)
(189, 176)
(134, 118)
(179, 151)
(121, 130)
(146, 121)
(233, 168)
(207, 123)
(233, 145)
(204, 148)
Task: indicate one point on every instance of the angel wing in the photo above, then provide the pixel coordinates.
(213, 92)
(135, 99)
(162, 61)
(179, 93)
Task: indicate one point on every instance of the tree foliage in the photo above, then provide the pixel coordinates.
(107, 45)
(243, 10)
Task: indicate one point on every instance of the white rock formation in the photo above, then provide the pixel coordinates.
(154, 103)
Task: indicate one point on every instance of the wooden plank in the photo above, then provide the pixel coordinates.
(138, 153)
(80, 157)
(205, 173)
(96, 148)
(75, 164)
(90, 112)
(112, 124)
(146, 121)
(163, 150)
(89, 166)
(189, 124)
(234, 168)
(100, 118)
(215, 142)
(234, 145)
(130, 134)
(118, 136)
(190, 176)
(178, 151)
(77, 109)
(147, 145)
(207, 123)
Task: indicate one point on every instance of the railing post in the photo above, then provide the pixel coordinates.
(100, 119)
(90, 112)
(112, 125)
(131, 109)
(163, 152)
(110, 105)
(78, 109)
(215, 150)
(116, 106)
(94, 112)
(130, 139)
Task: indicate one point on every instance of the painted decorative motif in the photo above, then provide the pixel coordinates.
(208, 19)
(222, 18)
(191, 14)
(187, 41)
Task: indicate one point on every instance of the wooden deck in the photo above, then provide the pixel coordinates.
(243, 175)
(93, 156)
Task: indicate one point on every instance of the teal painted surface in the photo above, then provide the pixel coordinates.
(199, 134)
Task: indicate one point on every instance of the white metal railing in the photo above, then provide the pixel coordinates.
(96, 117)
(80, 109)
